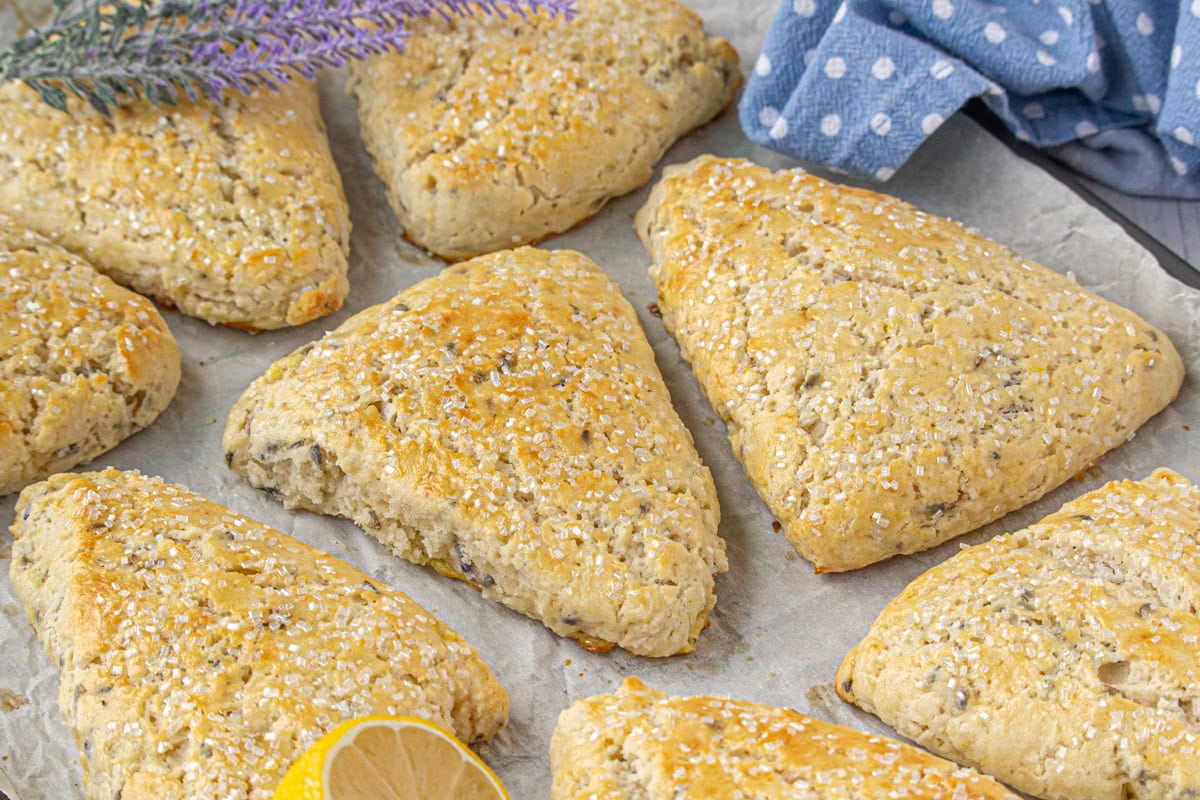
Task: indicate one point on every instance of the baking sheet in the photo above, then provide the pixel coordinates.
(778, 632)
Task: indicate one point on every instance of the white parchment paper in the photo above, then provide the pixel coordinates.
(778, 632)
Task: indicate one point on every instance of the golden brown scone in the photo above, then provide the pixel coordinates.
(83, 363)
(889, 379)
(1064, 658)
(202, 652)
(492, 132)
(233, 212)
(640, 743)
(505, 423)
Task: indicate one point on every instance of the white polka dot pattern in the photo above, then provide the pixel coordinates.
(879, 76)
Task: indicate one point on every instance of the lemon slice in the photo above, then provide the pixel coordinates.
(389, 758)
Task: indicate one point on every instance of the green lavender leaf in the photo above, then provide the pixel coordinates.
(102, 50)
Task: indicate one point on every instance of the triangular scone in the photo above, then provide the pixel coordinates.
(889, 378)
(202, 652)
(83, 362)
(491, 131)
(1064, 658)
(505, 423)
(641, 743)
(232, 212)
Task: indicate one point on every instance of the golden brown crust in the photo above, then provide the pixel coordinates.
(232, 212)
(506, 423)
(493, 132)
(83, 363)
(1062, 658)
(202, 652)
(889, 379)
(640, 743)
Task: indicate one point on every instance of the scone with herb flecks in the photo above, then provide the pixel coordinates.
(492, 131)
(83, 363)
(202, 652)
(889, 378)
(641, 743)
(232, 212)
(1063, 658)
(504, 422)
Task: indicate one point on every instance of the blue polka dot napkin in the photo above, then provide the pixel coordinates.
(1112, 87)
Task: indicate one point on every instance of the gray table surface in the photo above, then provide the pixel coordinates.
(1174, 223)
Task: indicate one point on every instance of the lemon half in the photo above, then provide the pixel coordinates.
(389, 758)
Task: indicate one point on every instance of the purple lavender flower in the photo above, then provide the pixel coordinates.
(109, 48)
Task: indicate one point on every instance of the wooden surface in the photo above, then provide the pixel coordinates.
(1175, 223)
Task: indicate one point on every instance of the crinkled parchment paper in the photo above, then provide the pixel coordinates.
(778, 632)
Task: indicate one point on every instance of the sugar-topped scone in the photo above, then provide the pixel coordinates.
(232, 212)
(889, 378)
(202, 652)
(83, 363)
(1063, 658)
(641, 743)
(493, 131)
(505, 423)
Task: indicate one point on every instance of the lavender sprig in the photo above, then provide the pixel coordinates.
(159, 50)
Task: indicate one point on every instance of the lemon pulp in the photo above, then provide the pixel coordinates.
(389, 758)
